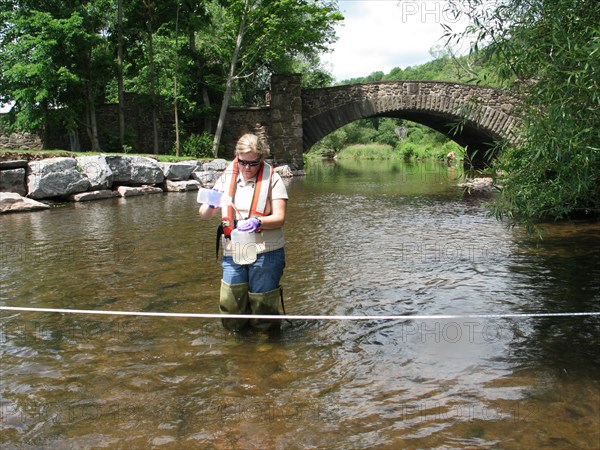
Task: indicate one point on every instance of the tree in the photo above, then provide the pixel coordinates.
(53, 56)
(61, 59)
(150, 16)
(548, 51)
(260, 33)
(94, 66)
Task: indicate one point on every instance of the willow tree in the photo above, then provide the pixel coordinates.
(548, 51)
(258, 33)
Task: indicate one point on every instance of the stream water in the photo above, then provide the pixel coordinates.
(363, 238)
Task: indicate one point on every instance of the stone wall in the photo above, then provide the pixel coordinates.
(279, 124)
(138, 129)
(23, 141)
(138, 132)
(239, 121)
(286, 130)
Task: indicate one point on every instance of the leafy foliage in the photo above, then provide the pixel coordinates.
(64, 55)
(549, 52)
(197, 146)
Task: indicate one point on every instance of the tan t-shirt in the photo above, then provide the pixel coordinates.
(267, 240)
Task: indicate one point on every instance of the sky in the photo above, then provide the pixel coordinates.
(378, 35)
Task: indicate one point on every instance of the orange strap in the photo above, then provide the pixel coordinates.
(260, 197)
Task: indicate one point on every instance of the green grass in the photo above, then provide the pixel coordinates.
(368, 151)
(407, 151)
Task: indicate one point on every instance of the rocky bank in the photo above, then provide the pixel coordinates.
(28, 183)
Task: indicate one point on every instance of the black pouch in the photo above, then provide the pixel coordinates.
(218, 241)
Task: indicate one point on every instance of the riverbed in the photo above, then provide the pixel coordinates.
(363, 238)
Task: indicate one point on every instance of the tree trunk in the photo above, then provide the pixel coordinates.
(175, 112)
(92, 116)
(120, 75)
(207, 118)
(230, 78)
(152, 80)
(207, 126)
(46, 125)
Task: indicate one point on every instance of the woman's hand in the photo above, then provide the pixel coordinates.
(249, 225)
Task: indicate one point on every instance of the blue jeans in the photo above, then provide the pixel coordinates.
(262, 275)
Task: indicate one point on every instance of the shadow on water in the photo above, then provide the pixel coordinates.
(561, 273)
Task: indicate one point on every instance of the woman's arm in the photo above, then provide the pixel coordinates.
(277, 217)
(206, 212)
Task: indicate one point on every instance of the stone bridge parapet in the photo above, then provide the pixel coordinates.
(474, 116)
(487, 114)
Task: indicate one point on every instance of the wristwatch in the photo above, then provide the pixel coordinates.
(259, 223)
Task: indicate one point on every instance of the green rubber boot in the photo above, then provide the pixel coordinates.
(234, 300)
(266, 303)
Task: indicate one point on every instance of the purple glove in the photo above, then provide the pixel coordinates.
(250, 225)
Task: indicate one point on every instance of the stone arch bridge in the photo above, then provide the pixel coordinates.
(296, 118)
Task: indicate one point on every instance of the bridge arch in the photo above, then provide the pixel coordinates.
(486, 114)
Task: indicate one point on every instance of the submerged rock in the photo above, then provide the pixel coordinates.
(482, 184)
(13, 202)
(93, 195)
(130, 191)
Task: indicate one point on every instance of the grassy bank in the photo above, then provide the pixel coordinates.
(41, 154)
(407, 151)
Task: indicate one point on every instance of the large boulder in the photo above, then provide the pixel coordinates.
(55, 177)
(134, 170)
(206, 177)
(215, 164)
(177, 171)
(13, 202)
(13, 180)
(97, 170)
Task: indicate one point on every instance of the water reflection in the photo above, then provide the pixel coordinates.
(363, 238)
(561, 273)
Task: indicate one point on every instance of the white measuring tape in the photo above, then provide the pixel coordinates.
(295, 317)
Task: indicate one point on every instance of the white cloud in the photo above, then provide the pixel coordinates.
(378, 35)
(5, 108)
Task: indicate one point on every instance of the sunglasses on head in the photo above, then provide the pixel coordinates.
(249, 163)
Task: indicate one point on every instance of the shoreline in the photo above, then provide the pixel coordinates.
(31, 181)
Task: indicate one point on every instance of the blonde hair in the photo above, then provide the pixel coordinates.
(249, 142)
